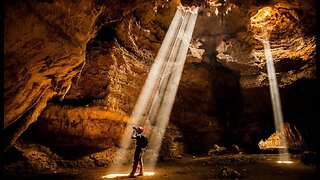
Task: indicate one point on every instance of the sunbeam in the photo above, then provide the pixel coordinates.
(275, 97)
(153, 107)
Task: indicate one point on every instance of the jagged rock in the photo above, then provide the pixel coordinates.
(217, 150)
(291, 139)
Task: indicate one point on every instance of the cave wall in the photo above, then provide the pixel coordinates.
(44, 52)
(42, 56)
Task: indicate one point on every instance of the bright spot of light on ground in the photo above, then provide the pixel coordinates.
(125, 175)
(285, 162)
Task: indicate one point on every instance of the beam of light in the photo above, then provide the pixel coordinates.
(153, 107)
(109, 176)
(275, 97)
(167, 70)
(171, 85)
(139, 113)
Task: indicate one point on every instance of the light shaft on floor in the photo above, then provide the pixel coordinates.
(275, 98)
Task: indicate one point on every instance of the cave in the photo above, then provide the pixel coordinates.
(75, 72)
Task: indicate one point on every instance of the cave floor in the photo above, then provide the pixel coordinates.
(252, 166)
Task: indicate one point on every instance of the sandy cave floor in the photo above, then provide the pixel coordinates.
(253, 166)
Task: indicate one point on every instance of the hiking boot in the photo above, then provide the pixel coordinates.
(131, 175)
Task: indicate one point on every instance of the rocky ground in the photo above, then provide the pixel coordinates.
(231, 166)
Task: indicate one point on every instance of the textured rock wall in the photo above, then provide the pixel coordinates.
(44, 51)
(112, 80)
(44, 48)
(293, 49)
(83, 126)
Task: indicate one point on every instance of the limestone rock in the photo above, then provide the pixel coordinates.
(292, 139)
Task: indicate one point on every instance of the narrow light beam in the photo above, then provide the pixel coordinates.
(172, 85)
(139, 112)
(275, 97)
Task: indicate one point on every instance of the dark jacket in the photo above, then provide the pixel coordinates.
(139, 139)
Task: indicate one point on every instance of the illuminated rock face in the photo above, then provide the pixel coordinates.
(44, 52)
(95, 58)
(292, 138)
(44, 49)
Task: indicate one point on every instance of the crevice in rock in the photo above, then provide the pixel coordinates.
(106, 33)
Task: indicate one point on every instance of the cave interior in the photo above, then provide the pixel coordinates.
(73, 71)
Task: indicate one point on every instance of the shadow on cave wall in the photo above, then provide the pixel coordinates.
(216, 121)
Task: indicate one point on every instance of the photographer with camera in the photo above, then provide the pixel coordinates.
(141, 143)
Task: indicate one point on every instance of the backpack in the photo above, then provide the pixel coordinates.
(143, 142)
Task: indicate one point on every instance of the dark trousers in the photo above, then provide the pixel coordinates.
(137, 160)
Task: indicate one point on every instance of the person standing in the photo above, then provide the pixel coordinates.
(141, 143)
